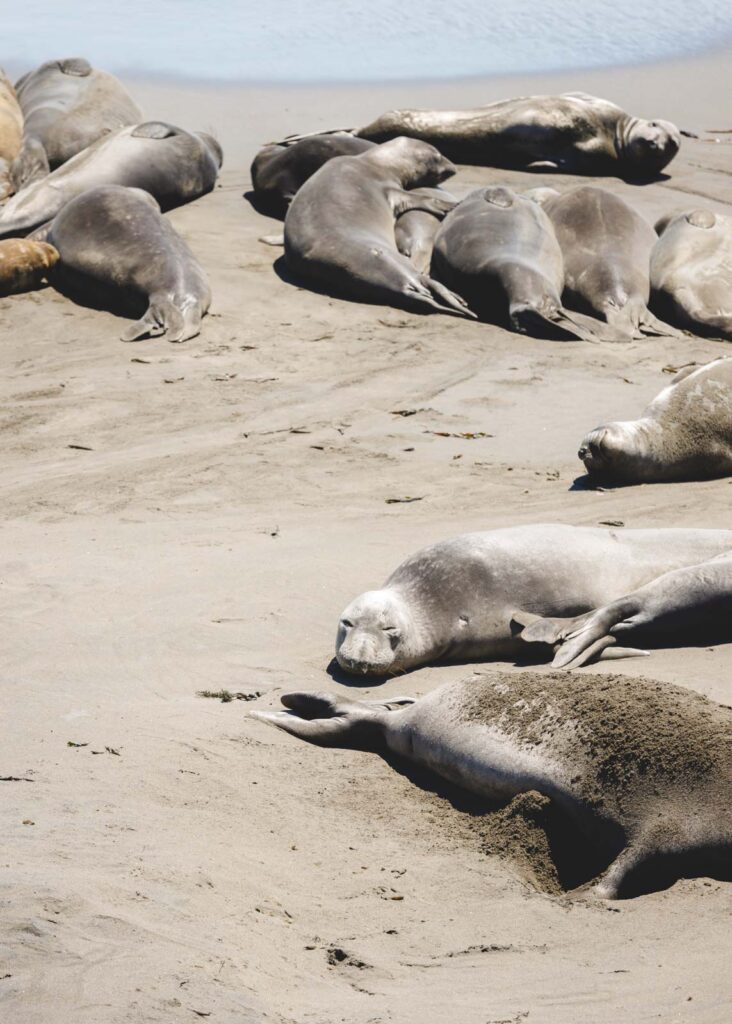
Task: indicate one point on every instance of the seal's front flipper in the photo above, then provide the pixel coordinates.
(323, 719)
(30, 165)
(402, 201)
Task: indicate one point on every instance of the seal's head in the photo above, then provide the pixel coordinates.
(615, 451)
(648, 146)
(214, 146)
(417, 163)
(373, 634)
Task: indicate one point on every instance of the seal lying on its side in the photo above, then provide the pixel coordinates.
(606, 247)
(643, 770)
(116, 237)
(684, 434)
(467, 598)
(173, 165)
(694, 597)
(498, 250)
(691, 271)
(278, 171)
(67, 105)
(24, 264)
(573, 132)
(339, 230)
(11, 132)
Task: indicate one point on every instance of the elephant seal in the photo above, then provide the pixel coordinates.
(11, 132)
(691, 271)
(692, 597)
(415, 230)
(606, 248)
(498, 250)
(24, 264)
(116, 237)
(67, 105)
(639, 772)
(339, 229)
(173, 165)
(279, 170)
(684, 434)
(572, 132)
(469, 597)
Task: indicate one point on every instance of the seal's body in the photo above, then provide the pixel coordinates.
(606, 248)
(11, 132)
(173, 165)
(67, 105)
(684, 434)
(691, 271)
(467, 598)
(339, 229)
(643, 770)
(278, 171)
(415, 232)
(498, 250)
(24, 264)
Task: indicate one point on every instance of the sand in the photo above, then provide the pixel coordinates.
(180, 518)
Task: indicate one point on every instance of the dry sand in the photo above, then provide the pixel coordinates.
(228, 500)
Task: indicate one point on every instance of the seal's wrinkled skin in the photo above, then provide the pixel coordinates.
(498, 249)
(339, 229)
(573, 132)
(691, 271)
(173, 165)
(684, 434)
(415, 232)
(467, 598)
(279, 170)
(641, 770)
(606, 248)
(117, 237)
(11, 132)
(67, 105)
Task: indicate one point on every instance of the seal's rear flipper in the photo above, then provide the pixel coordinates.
(634, 321)
(30, 165)
(290, 140)
(435, 295)
(323, 719)
(163, 317)
(560, 324)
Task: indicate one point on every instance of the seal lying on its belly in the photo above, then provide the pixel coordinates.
(691, 271)
(116, 237)
(606, 247)
(498, 250)
(684, 434)
(467, 598)
(339, 230)
(278, 171)
(642, 770)
(24, 264)
(67, 105)
(573, 132)
(173, 165)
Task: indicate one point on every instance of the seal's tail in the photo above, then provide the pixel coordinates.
(329, 721)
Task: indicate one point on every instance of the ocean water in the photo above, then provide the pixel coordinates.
(341, 40)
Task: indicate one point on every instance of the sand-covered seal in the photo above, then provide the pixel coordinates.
(498, 250)
(339, 229)
(67, 105)
(11, 132)
(115, 237)
(691, 271)
(572, 132)
(606, 248)
(468, 598)
(415, 231)
(24, 264)
(641, 771)
(279, 170)
(684, 434)
(173, 165)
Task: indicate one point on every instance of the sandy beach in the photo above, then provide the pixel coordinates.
(195, 517)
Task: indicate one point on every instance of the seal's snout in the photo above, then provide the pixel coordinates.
(596, 450)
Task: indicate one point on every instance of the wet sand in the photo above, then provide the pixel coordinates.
(181, 518)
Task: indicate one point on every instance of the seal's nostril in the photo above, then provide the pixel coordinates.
(582, 452)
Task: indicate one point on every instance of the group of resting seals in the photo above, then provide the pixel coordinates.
(642, 770)
(501, 258)
(91, 178)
